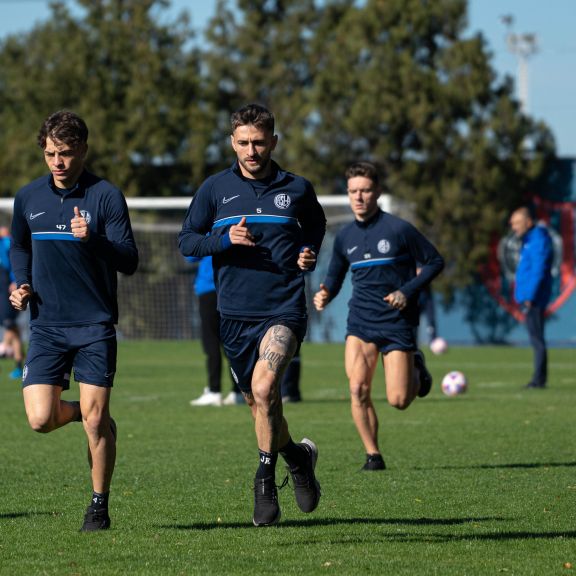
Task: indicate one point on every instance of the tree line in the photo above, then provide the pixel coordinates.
(397, 82)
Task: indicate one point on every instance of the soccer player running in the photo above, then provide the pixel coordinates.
(71, 234)
(383, 252)
(264, 227)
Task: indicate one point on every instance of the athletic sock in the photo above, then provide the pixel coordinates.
(267, 466)
(294, 454)
(99, 501)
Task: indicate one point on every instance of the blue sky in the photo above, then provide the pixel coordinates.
(551, 71)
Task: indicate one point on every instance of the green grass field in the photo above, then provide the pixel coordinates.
(483, 483)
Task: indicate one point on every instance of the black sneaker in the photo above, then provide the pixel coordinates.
(534, 385)
(374, 462)
(306, 487)
(266, 507)
(425, 376)
(95, 519)
(114, 430)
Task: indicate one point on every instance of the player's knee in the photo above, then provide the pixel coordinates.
(264, 394)
(41, 423)
(359, 392)
(95, 424)
(399, 401)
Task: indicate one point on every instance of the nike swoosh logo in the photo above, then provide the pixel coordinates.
(350, 250)
(32, 216)
(226, 200)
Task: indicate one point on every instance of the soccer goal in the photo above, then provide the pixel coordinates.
(158, 302)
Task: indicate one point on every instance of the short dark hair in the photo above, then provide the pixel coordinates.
(63, 126)
(526, 210)
(255, 115)
(365, 169)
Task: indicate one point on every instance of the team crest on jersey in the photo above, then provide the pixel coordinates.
(383, 246)
(86, 215)
(282, 201)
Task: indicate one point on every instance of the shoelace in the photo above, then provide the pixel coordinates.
(284, 483)
(300, 479)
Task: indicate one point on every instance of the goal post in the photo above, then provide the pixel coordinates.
(158, 301)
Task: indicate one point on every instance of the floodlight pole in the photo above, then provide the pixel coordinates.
(523, 46)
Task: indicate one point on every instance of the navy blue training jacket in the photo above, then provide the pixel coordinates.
(264, 280)
(74, 282)
(383, 254)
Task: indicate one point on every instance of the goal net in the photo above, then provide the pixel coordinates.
(158, 301)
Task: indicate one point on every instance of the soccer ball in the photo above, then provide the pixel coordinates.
(438, 346)
(454, 383)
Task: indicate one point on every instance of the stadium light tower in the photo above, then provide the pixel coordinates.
(523, 46)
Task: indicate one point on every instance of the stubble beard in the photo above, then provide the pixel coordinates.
(260, 170)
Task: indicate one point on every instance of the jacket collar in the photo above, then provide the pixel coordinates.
(76, 190)
(277, 174)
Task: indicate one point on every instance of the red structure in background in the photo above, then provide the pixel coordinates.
(498, 274)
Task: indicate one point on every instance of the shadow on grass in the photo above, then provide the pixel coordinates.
(510, 466)
(495, 537)
(397, 536)
(12, 515)
(337, 522)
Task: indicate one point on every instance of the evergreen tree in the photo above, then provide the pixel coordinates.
(398, 83)
(132, 78)
(262, 52)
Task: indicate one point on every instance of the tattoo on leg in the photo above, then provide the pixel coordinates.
(279, 348)
(281, 335)
(275, 361)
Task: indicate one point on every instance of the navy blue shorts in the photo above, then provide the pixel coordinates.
(386, 339)
(241, 342)
(53, 353)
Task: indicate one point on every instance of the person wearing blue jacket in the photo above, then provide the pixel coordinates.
(533, 286)
(264, 227)
(71, 235)
(11, 339)
(391, 262)
(205, 290)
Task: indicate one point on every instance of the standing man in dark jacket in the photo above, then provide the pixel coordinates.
(264, 227)
(71, 234)
(534, 286)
